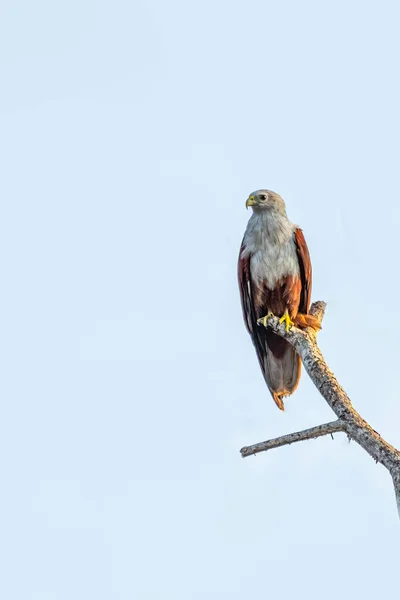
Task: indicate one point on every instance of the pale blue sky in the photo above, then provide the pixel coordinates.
(131, 135)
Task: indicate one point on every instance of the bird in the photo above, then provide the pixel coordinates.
(275, 279)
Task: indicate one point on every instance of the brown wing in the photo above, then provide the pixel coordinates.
(252, 310)
(305, 271)
(245, 292)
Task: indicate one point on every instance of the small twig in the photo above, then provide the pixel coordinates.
(299, 436)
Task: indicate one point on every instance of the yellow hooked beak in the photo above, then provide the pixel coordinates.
(250, 201)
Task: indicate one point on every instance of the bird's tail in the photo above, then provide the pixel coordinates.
(283, 373)
(280, 364)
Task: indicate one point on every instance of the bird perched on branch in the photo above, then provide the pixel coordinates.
(274, 280)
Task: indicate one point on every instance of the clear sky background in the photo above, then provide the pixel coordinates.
(131, 136)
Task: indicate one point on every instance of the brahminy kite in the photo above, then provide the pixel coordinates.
(274, 279)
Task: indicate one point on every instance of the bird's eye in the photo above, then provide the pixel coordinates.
(263, 197)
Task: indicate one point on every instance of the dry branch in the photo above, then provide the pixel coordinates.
(349, 420)
(291, 438)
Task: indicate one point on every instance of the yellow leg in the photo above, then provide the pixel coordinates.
(263, 320)
(287, 320)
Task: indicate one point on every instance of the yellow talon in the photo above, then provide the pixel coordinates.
(263, 320)
(287, 320)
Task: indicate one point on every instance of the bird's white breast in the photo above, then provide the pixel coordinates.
(269, 241)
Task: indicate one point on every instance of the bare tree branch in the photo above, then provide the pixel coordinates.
(304, 342)
(299, 436)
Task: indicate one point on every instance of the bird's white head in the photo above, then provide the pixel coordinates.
(262, 200)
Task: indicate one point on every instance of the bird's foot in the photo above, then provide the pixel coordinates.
(263, 320)
(287, 320)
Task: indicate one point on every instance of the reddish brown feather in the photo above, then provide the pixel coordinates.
(285, 296)
(305, 271)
